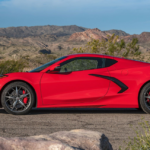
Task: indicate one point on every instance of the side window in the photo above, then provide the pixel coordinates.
(82, 63)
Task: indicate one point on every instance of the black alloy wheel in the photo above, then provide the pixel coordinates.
(17, 98)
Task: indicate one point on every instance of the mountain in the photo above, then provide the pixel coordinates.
(21, 32)
(144, 37)
(98, 34)
(95, 34)
(116, 32)
(17, 42)
(88, 34)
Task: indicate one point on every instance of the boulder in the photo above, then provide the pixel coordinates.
(64, 140)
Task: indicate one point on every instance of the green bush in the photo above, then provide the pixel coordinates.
(112, 46)
(140, 142)
(12, 66)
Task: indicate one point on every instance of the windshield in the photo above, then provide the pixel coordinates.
(47, 64)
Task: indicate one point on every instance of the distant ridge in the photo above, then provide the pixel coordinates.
(95, 34)
(117, 32)
(21, 32)
(88, 34)
(58, 40)
(144, 37)
(24, 31)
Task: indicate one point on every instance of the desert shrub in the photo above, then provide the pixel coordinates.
(112, 46)
(43, 58)
(140, 142)
(45, 51)
(60, 47)
(12, 66)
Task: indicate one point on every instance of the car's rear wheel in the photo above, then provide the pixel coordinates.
(144, 98)
(17, 98)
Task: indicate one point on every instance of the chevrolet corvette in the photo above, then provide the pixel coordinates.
(78, 80)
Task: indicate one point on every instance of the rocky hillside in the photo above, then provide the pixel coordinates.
(98, 34)
(59, 40)
(143, 37)
(95, 34)
(116, 32)
(88, 34)
(20, 32)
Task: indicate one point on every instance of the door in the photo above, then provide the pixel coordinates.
(76, 84)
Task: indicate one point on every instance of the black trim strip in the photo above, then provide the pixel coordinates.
(118, 82)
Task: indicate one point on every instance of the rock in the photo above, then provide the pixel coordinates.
(64, 140)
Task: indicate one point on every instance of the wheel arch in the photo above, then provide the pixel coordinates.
(140, 92)
(35, 102)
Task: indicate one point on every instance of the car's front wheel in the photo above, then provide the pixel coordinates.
(144, 98)
(17, 98)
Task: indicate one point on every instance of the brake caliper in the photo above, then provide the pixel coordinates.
(148, 100)
(25, 100)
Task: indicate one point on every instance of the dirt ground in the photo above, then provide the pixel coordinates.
(114, 123)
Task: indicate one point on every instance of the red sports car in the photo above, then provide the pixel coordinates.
(78, 80)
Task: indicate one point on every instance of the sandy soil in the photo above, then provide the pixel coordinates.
(114, 123)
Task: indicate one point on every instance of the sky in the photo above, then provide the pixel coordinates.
(131, 16)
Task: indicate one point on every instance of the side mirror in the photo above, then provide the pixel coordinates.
(54, 70)
(57, 68)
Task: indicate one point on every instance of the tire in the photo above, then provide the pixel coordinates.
(139, 109)
(17, 98)
(143, 100)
